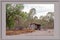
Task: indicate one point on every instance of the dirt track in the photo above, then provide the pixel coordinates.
(49, 32)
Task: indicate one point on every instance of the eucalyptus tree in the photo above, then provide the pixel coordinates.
(51, 19)
(11, 11)
(30, 15)
(47, 21)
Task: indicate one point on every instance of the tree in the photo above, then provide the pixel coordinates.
(11, 12)
(51, 19)
(35, 17)
(32, 12)
(47, 21)
(30, 16)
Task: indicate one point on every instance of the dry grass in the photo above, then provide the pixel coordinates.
(16, 32)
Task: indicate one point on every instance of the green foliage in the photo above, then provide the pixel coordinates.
(14, 13)
(48, 20)
(11, 12)
(23, 15)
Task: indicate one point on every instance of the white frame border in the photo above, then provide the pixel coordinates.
(34, 37)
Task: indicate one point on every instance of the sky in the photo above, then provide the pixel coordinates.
(41, 9)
